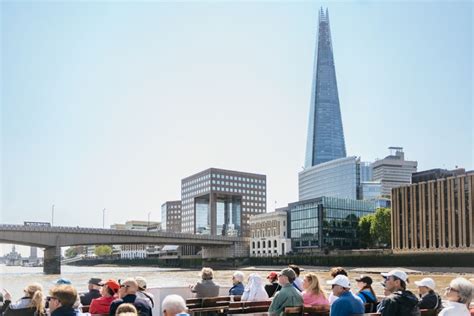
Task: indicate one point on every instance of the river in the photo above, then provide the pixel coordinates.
(14, 279)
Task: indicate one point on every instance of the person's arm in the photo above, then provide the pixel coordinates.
(276, 303)
(113, 308)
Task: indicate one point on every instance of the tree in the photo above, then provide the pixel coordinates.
(363, 231)
(71, 252)
(380, 229)
(103, 250)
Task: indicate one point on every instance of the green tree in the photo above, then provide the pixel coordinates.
(380, 229)
(363, 230)
(71, 252)
(103, 250)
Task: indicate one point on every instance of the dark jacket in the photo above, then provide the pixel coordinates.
(20, 308)
(87, 298)
(431, 301)
(65, 311)
(272, 288)
(400, 303)
(142, 307)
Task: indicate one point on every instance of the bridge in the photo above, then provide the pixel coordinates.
(55, 237)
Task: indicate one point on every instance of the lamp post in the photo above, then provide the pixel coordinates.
(148, 226)
(52, 215)
(103, 218)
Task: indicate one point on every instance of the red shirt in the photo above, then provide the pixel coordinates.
(101, 305)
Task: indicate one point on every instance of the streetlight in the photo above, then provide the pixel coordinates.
(148, 227)
(52, 215)
(103, 218)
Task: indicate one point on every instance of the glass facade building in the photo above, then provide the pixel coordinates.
(171, 216)
(325, 140)
(326, 223)
(220, 202)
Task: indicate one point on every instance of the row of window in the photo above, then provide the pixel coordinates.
(264, 244)
(222, 176)
(238, 184)
(269, 251)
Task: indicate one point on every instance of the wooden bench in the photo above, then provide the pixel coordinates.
(316, 310)
(293, 311)
(248, 307)
(208, 305)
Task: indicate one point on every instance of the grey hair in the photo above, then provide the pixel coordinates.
(207, 273)
(464, 288)
(173, 304)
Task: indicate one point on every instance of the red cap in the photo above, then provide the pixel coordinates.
(111, 284)
(272, 275)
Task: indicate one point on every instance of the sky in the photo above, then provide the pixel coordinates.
(108, 104)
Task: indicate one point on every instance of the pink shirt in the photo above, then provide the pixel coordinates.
(310, 298)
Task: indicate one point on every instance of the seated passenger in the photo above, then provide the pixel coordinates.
(128, 294)
(206, 287)
(61, 301)
(400, 302)
(174, 305)
(142, 292)
(459, 294)
(429, 299)
(313, 294)
(94, 291)
(32, 304)
(346, 303)
(288, 296)
(273, 286)
(254, 291)
(366, 293)
(237, 284)
(101, 305)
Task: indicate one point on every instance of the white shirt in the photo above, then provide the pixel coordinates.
(455, 309)
(299, 283)
(333, 297)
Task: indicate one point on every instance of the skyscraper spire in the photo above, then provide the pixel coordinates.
(325, 133)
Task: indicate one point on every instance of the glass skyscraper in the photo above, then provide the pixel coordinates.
(325, 134)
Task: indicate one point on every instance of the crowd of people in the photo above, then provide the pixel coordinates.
(284, 289)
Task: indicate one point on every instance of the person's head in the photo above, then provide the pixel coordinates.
(109, 288)
(339, 284)
(35, 292)
(364, 282)
(172, 305)
(94, 283)
(272, 276)
(207, 273)
(62, 296)
(62, 281)
(425, 285)
(286, 276)
(395, 280)
(295, 268)
(311, 283)
(128, 286)
(141, 283)
(126, 309)
(337, 271)
(237, 277)
(460, 290)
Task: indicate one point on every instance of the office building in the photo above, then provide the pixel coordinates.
(434, 216)
(326, 223)
(371, 190)
(336, 178)
(135, 251)
(171, 216)
(220, 202)
(269, 234)
(435, 174)
(325, 140)
(393, 171)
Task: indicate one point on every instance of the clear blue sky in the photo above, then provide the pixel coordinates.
(110, 104)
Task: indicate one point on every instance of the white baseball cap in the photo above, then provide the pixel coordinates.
(396, 273)
(428, 282)
(341, 280)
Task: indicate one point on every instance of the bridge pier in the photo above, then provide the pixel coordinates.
(52, 260)
(237, 250)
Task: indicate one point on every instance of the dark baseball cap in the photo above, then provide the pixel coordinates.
(95, 281)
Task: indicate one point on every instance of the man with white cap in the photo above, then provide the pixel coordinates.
(142, 292)
(346, 304)
(401, 302)
(429, 298)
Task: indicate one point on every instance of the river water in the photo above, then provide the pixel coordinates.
(14, 279)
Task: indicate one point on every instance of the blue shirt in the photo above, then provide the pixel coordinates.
(364, 296)
(347, 304)
(237, 289)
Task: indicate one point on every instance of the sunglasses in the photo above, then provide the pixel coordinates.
(450, 289)
(124, 286)
(49, 298)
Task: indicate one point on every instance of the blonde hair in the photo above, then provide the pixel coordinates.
(207, 273)
(313, 286)
(35, 292)
(126, 309)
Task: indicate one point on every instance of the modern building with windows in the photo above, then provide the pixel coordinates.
(435, 174)
(393, 171)
(325, 140)
(269, 234)
(326, 223)
(220, 202)
(133, 251)
(337, 178)
(434, 216)
(171, 216)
